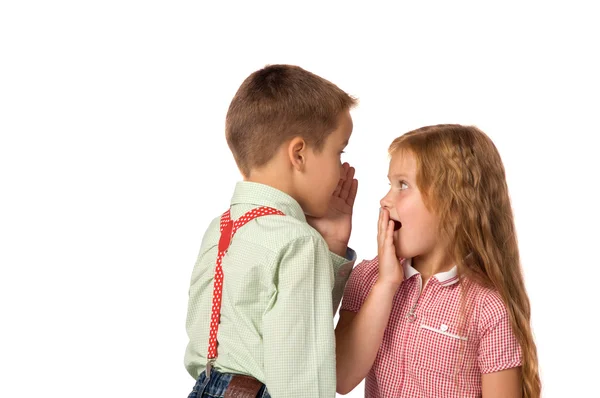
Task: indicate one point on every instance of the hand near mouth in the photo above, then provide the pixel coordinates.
(336, 225)
(390, 270)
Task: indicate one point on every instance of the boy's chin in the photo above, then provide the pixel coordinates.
(316, 213)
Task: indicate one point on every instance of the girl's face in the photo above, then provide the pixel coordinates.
(418, 233)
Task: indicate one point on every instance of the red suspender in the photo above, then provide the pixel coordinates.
(228, 230)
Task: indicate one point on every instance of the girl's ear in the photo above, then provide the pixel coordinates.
(297, 149)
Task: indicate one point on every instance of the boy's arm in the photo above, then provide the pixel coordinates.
(342, 268)
(336, 226)
(298, 336)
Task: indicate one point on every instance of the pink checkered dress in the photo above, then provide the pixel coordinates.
(423, 353)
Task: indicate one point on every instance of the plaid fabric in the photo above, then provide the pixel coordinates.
(427, 355)
(281, 288)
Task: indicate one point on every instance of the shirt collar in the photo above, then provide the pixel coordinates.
(445, 278)
(256, 194)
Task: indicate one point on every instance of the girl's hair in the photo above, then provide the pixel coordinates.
(462, 180)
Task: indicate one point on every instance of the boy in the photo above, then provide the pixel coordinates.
(269, 296)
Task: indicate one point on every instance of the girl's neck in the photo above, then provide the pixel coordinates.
(432, 263)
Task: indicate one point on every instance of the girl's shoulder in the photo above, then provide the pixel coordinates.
(363, 277)
(367, 267)
(486, 297)
(366, 272)
(491, 308)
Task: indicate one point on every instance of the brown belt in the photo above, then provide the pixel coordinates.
(242, 386)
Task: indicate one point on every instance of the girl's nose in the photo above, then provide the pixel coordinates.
(385, 202)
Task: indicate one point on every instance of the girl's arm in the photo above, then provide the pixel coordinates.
(359, 335)
(503, 384)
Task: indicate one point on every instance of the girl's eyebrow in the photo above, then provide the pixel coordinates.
(397, 175)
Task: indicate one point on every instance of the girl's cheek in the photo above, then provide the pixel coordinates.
(397, 240)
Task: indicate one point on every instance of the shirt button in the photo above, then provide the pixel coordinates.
(443, 328)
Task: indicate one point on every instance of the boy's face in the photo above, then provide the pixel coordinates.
(419, 227)
(323, 169)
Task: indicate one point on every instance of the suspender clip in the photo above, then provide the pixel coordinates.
(209, 365)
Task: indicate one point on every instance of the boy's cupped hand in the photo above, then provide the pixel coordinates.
(336, 225)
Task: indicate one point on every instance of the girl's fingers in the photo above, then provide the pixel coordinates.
(389, 235)
(388, 240)
(381, 227)
(384, 219)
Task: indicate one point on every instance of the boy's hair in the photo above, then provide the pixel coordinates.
(276, 104)
(462, 180)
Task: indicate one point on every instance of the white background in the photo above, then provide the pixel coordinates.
(113, 160)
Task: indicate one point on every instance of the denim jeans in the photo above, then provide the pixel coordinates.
(217, 384)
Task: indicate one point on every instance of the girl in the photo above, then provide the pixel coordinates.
(452, 318)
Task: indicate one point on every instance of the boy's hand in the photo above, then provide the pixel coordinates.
(336, 225)
(391, 272)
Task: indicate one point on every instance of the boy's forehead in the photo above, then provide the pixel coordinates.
(341, 134)
(345, 126)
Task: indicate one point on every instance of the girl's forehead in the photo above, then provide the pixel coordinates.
(403, 162)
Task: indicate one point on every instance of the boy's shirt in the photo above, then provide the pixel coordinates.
(281, 289)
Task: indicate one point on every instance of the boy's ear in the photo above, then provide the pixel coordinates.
(297, 149)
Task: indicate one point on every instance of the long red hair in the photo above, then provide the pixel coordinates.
(461, 177)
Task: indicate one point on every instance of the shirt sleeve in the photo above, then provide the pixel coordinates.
(498, 346)
(359, 285)
(298, 335)
(342, 268)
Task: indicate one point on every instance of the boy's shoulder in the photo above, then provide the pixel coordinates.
(273, 231)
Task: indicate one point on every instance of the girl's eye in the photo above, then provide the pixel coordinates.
(403, 185)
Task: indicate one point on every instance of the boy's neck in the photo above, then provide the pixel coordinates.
(274, 177)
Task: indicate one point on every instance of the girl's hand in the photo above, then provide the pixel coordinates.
(391, 271)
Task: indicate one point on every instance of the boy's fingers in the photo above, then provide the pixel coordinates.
(350, 173)
(352, 192)
(338, 188)
(347, 184)
(344, 171)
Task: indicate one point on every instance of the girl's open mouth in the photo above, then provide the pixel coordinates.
(397, 225)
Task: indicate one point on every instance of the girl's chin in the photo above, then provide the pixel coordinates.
(399, 253)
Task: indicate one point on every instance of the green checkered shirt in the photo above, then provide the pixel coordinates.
(281, 289)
